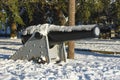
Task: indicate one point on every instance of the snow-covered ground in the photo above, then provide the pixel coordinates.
(85, 66)
(99, 45)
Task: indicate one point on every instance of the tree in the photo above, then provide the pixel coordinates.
(3, 15)
(87, 10)
(60, 12)
(83, 11)
(12, 10)
(71, 23)
(41, 11)
(116, 12)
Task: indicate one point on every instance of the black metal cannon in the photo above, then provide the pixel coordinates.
(46, 42)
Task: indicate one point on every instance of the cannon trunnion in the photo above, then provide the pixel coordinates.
(46, 42)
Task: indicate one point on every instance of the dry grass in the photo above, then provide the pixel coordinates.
(105, 52)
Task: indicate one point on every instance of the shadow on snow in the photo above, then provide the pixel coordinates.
(4, 56)
(88, 52)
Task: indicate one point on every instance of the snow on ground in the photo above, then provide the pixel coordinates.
(85, 66)
(100, 45)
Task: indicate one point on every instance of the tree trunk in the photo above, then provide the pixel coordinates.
(62, 20)
(13, 30)
(71, 23)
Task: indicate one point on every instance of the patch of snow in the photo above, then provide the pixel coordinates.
(45, 28)
(100, 45)
(85, 66)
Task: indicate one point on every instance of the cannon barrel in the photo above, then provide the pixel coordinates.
(57, 34)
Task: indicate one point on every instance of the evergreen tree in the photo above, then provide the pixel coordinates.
(117, 5)
(97, 10)
(83, 11)
(3, 14)
(12, 10)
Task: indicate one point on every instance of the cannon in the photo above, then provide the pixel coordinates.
(46, 42)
